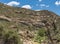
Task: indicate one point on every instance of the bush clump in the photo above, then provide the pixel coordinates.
(40, 36)
(10, 36)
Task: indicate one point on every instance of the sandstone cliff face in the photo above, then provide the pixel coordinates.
(28, 22)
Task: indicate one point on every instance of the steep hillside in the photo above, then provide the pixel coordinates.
(31, 26)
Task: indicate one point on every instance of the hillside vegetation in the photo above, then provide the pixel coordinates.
(25, 26)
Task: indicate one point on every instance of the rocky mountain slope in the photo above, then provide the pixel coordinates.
(30, 25)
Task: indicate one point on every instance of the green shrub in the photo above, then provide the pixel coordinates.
(41, 32)
(10, 36)
(1, 31)
(40, 35)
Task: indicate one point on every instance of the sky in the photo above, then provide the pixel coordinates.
(51, 5)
